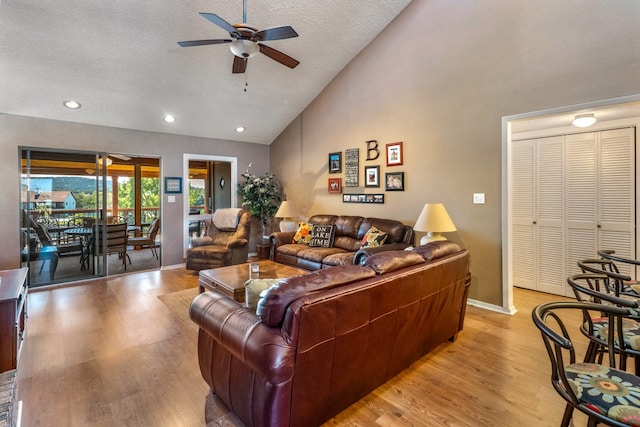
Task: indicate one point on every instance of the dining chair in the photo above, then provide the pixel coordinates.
(590, 288)
(150, 239)
(115, 240)
(69, 248)
(631, 264)
(605, 394)
(620, 283)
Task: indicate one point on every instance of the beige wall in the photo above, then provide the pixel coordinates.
(23, 131)
(440, 78)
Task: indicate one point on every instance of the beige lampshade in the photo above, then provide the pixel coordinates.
(287, 211)
(434, 219)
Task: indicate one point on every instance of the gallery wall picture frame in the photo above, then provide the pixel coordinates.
(394, 181)
(351, 161)
(363, 198)
(335, 185)
(173, 184)
(395, 154)
(335, 162)
(372, 176)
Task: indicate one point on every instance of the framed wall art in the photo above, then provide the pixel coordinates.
(351, 160)
(363, 198)
(394, 154)
(372, 176)
(173, 184)
(335, 185)
(394, 181)
(335, 162)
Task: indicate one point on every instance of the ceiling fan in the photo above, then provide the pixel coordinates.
(246, 41)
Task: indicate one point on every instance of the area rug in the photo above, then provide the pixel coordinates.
(178, 303)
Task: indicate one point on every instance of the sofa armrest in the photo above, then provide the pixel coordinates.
(201, 241)
(237, 243)
(239, 331)
(279, 238)
(363, 253)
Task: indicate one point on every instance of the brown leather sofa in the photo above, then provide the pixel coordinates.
(223, 243)
(326, 339)
(347, 247)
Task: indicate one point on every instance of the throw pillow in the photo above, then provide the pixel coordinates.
(303, 235)
(253, 288)
(322, 236)
(373, 238)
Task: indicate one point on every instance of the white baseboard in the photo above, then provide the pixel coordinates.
(492, 307)
(173, 267)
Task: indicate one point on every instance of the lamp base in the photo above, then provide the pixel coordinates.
(431, 236)
(287, 225)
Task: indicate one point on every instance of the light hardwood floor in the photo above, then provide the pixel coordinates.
(110, 353)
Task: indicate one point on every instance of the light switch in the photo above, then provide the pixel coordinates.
(171, 199)
(478, 198)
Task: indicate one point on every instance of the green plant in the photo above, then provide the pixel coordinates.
(261, 194)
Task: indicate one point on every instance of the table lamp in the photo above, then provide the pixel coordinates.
(435, 220)
(286, 211)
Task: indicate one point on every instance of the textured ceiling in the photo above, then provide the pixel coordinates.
(120, 60)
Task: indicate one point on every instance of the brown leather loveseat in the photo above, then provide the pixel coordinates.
(347, 244)
(326, 339)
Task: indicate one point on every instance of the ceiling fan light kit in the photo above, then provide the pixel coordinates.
(244, 48)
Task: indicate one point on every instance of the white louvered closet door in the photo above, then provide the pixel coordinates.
(617, 200)
(550, 210)
(523, 218)
(578, 197)
(582, 199)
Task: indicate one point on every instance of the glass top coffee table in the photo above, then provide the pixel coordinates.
(230, 280)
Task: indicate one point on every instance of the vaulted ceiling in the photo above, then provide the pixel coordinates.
(120, 60)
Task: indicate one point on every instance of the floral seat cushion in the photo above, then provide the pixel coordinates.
(631, 331)
(610, 392)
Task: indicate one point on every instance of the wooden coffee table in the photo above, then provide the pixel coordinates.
(230, 280)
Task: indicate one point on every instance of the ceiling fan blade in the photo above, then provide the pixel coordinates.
(222, 24)
(239, 64)
(277, 33)
(204, 42)
(276, 55)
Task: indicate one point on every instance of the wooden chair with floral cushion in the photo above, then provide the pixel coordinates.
(605, 394)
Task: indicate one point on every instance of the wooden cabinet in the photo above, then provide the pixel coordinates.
(13, 315)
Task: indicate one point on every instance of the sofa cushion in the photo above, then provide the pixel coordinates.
(374, 238)
(291, 249)
(273, 305)
(385, 262)
(318, 254)
(253, 288)
(322, 236)
(303, 234)
(341, 258)
(437, 249)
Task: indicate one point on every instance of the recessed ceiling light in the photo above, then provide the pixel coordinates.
(72, 104)
(169, 118)
(240, 129)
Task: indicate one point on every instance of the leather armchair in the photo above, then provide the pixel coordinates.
(221, 245)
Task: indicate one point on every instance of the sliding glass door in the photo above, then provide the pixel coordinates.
(71, 202)
(61, 198)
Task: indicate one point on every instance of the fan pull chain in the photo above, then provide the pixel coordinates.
(246, 82)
